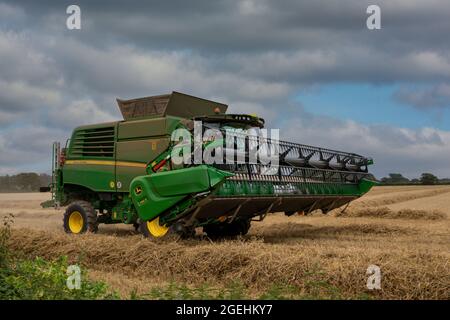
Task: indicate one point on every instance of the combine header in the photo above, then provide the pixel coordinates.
(130, 171)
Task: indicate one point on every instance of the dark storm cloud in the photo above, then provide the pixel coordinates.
(248, 25)
(228, 26)
(224, 26)
(299, 41)
(254, 55)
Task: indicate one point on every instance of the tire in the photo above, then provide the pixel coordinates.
(175, 231)
(159, 231)
(184, 232)
(239, 227)
(143, 229)
(80, 217)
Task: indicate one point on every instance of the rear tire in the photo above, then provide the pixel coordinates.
(80, 217)
(239, 227)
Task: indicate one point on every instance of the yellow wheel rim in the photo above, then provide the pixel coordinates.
(75, 222)
(156, 229)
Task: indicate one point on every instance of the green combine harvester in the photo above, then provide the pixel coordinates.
(123, 171)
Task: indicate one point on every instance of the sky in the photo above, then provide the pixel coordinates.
(310, 68)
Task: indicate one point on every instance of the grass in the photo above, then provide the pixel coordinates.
(328, 264)
(38, 279)
(41, 279)
(236, 291)
(297, 257)
(384, 212)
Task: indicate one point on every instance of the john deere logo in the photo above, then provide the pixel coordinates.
(138, 190)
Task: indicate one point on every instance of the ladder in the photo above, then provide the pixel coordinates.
(56, 163)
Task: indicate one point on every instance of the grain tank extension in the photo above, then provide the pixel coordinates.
(123, 172)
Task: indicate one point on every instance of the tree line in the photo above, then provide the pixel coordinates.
(24, 182)
(424, 179)
(31, 182)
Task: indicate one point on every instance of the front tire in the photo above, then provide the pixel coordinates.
(153, 228)
(80, 217)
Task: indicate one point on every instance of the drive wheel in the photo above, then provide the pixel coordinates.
(153, 228)
(80, 217)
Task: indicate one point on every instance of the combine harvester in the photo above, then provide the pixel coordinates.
(123, 171)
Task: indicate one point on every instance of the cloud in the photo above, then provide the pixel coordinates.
(22, 58)
(435, 97)
(7, 117)
(75, 113)
(11, 13)
(254, 55)
(252, 7)
(27, 147)
(20, 96)
(409, 151)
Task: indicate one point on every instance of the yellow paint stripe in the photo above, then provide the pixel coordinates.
(107, 163)
(131, 164)
(99, 162)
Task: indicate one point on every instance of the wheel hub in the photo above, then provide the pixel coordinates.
(75, 222)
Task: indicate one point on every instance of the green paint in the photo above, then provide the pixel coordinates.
(153, 194)
(365, 185)
(93, 177)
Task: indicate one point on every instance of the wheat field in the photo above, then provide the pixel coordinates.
(403, 230)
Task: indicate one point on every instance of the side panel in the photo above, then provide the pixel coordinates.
(125, 173)
(139, 142)
(132, 157)
(106, 157)
(142, 128)
(147, 128)
(90, 160)
(97, 176)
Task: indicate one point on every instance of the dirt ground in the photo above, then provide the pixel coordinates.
(403, 230)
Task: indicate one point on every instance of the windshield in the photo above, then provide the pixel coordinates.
(238, 128)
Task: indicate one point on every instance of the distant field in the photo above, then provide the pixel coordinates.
(404, 230)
